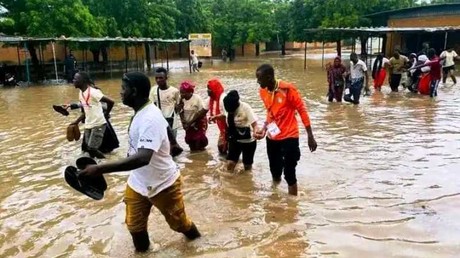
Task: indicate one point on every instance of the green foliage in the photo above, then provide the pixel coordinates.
(63, 17)
(232, 22)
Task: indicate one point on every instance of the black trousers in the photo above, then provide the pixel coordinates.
(395, 80)
(283, 156)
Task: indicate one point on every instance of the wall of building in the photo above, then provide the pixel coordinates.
(397, 41)
(427, 21)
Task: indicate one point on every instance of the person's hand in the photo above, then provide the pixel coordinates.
(212, 119)
(186, 125)
(259, 134)
(312, 143)
(90, 171)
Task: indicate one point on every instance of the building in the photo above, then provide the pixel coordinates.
(431, 17)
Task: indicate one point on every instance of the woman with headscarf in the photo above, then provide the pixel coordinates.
(242, 122)
(217, 115)
(379, 72)
(193, 116)
(335, 73)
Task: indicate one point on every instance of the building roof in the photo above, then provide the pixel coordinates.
(375, 31)
(419, 9)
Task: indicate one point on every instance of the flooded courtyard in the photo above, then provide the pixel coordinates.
(383, 182)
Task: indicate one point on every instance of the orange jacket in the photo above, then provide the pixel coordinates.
(281, 108)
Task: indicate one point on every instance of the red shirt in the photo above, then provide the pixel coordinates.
(435, 68)
(282, 105)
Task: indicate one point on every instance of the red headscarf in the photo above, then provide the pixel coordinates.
(217, 89)
(187, 86)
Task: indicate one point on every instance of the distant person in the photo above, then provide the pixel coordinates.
(154, 178)
(224, 55)
(195, 61)
(449, 56)
(282, 101)
(94, 118)
(397, 67)
(166, 98)
(193, 116)
(358, 77)
(424, 51)
(70, 66)
(379, 72)
(217, 114)
(242, 125)
(336, 80)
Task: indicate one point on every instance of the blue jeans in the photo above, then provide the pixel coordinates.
(355, 90)
(434, 88)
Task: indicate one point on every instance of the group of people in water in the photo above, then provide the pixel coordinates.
(419, 73)
(160, 110)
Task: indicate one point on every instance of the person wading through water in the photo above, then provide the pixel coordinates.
(379, 71)
(282, 100)
(155, 179)
(336, 80)
(95, 122)
(217, 114)
(166, 98)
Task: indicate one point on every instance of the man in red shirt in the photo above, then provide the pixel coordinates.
(282, 100)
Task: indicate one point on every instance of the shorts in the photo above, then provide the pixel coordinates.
(448, 69)
(170, 202)
(94, 136)
(247, 148)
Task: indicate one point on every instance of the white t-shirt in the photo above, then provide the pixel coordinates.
(427, 68)
(245, 117)
(358, 69)
(449, 61)
(221, 105)
(194, 59)
(148, 131)
(90, 99)
(192, 106)
(169, 98)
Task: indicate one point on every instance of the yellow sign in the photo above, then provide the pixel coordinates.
(201, 44)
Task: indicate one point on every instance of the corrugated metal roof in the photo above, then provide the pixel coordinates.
(382, 30)
(14, 39)
(414, 9)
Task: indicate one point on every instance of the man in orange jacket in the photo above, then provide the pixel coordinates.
(282, 100)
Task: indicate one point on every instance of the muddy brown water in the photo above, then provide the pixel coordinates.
(383, 183)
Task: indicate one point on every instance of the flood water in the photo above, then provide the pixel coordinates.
(383, 183)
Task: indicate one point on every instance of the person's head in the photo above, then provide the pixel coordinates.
(187, 89)
(135, 88)
(161, 77)
(354, 57)
(192, 52)
(215, 88)
(266, 76)
(450, 49)
(396, 54)
(431, 53)
(337, 61)
(82, 80)
(232, 101)
(413, 56)
(425, 45)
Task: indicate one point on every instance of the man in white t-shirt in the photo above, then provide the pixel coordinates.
(194, 58)
(448, 68)
(95, 123)
(167, 98)
(358, 75)
(154, 179)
